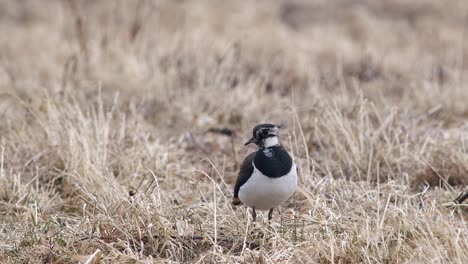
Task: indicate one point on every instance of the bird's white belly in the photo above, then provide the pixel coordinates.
(264, 193)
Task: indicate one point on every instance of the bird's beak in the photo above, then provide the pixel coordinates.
(250, 141)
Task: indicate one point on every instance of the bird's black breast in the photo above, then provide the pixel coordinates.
(273, 162)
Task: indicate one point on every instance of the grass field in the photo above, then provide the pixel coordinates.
(109, 112)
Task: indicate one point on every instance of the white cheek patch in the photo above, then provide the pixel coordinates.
(271, 141)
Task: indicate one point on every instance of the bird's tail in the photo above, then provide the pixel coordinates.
(236, 201)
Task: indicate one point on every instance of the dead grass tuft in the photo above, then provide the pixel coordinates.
(123, 123)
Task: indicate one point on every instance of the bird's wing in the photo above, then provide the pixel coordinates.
(245, 172)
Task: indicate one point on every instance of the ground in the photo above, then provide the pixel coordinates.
(123, 123)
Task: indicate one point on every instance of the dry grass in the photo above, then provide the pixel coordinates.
(106, 108)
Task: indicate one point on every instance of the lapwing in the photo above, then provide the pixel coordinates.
(268, 176)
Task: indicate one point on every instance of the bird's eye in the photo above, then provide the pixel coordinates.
(264, 132)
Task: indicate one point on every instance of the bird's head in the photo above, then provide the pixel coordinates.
(265, 135)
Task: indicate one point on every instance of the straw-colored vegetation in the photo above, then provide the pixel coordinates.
(110, 116)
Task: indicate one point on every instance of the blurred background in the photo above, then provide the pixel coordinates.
(405, 53)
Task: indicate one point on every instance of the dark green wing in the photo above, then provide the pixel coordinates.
(245, 172)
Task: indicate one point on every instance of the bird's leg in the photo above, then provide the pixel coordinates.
(270, 214)
(254, 214)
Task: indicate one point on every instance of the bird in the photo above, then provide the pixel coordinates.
(268, 176)
(461, 197)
